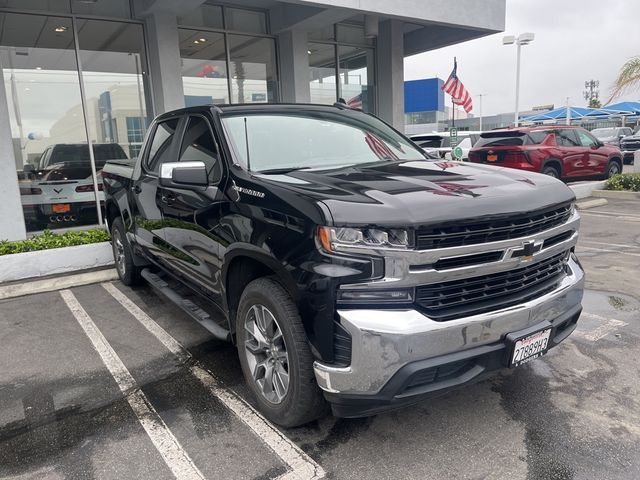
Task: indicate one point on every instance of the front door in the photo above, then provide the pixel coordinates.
(147, 216)
(574, 156)
(597, 158)
(191, 216)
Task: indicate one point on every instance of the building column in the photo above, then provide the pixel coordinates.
(390, 59)
(12, 225)
(293, 53)
(165, 67)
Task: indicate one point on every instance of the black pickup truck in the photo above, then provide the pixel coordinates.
(349, 268)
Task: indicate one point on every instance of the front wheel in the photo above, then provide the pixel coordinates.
(551, 171)
(613, 168)
(275, 357)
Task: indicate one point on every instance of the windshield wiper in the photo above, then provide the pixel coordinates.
(283, 170)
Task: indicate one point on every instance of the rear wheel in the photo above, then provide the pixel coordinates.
(551, 171)
(128, 272)
(613, 168)
(276, 360)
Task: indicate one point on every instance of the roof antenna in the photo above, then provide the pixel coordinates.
(246, 140)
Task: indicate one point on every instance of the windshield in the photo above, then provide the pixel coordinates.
(604, 132)
(271, 141)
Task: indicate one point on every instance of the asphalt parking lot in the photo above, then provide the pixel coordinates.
(102, 381)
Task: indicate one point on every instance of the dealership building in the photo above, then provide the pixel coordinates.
(94, 72)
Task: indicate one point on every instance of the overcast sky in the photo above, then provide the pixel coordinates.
(576, 40)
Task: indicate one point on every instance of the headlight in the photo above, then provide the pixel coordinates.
(333, 238)
(399, 296)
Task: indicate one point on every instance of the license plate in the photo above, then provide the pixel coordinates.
(530, 347)
(492, 158)
(61, 208)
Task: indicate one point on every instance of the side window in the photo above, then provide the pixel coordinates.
(566, 138)
(586, 140)
(538, 137)
(199, 145)
(159, 149)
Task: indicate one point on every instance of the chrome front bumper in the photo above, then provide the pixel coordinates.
(384, 341)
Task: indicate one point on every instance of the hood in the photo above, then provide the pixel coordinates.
(422, 192)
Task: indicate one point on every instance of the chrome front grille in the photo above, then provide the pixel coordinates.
(493, 230)
(485, 293)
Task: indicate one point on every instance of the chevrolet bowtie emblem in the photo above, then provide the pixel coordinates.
(528, 249)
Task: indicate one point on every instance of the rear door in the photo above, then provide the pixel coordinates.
(573, 155)
(145, 194)
(190, 216)
(597, 157)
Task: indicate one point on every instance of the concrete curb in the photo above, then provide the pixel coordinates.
(586, 189)
(56, 261)
(51, 284)
(619, 194)
(595, 202)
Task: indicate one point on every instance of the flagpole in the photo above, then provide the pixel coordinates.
(453, 113)
(453, 105)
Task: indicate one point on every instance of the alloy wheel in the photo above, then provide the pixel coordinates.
(266, 353)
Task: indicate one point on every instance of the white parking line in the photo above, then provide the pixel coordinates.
(609, 325)
(301, 466)
(165, 442)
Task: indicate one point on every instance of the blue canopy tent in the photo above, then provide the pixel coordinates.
(558, 114)
(633, 107)
(608, 112)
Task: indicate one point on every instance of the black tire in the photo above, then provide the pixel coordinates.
(551, 171)
(303, 400)
(613, 168)
(128, 272)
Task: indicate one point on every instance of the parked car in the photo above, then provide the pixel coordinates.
(440, 143)
(611, 135)
(629, 145)
(348, 268)
(569, 153)
(59, 189)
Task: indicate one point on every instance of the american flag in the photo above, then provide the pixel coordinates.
(356, 102)
(454, 87)
(377, 146)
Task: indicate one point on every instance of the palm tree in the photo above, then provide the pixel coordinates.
(628, 78)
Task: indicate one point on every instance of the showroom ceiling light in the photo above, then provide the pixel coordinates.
(60, 29)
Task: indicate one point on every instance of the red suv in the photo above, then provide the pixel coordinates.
(565, 152)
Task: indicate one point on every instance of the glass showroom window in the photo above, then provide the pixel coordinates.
(253, 69)
(322, 73)
(42, 80)
(114, 78)
(204, 67)
(40, 75)
(356, 77)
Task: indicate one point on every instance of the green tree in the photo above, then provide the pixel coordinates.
(628, 78)
(595, 103)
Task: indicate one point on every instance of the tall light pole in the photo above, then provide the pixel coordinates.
(520, 40)
(480, 95)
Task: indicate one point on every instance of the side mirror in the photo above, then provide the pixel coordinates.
(189, 175)
(28, 168)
